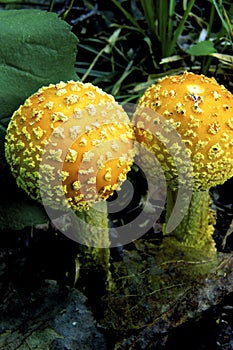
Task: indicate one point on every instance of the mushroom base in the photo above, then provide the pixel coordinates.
(197, 226)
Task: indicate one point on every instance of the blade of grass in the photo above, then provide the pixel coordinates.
(128, 16)
(125, 26)
(170, 25)
(228, 22)
(107, 49)
(224, 23)
(81, 69)
(127, 98)
(96, 52)
(225, 59)
(148, 41)
(117, 86)
(180, 28)
(51, 5)
(162, 20)
(92, 64)
(149, 13)
(211, 21)
(65, 14)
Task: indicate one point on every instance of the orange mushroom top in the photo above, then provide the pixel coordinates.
(69, 142)
(201, 111)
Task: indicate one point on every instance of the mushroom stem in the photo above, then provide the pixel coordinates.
(197, 226)
(93, 255)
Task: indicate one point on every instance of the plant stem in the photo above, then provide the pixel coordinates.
(128, 16)
(65, 14)
(180, 28)
(51, 5)
(196, 228)
(149, 13)
(92, 64)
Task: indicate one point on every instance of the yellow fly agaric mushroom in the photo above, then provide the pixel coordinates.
(201, 112)
(77, 138)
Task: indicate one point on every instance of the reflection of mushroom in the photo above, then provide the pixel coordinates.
(70, 121)
(201, 111)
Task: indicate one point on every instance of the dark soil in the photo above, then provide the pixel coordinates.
(39, 303)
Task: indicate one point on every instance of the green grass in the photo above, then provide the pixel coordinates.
(145, 40)
(132, 43)
(160, 18)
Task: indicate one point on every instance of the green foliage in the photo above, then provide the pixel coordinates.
(139, 41)
(36, 48)
(226, 23)
(203, 48)
(160, 17)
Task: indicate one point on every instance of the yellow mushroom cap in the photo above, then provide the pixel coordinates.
(69, 142)
(201, 111)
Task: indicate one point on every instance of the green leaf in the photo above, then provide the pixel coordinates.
(203, 48)
(20, 213)
(36, 48)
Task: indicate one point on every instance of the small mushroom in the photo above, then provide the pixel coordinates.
(76, 138)
(201, 111)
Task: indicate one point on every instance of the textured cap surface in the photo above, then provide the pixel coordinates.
(201, 111)
(69, 142)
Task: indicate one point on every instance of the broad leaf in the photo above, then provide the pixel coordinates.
(36, 49)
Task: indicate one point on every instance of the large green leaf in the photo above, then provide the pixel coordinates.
(36, 48)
